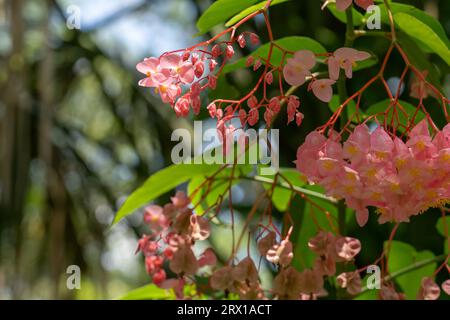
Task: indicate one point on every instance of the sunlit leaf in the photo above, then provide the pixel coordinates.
(244, 13)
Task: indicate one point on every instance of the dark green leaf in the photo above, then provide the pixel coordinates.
(219, 12)
(244, 13)
(160, 183)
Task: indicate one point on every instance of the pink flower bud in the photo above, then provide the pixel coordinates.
(269, 78)
(215, 52)
(249, 61)
(194, 58)
(242, 116)
(257, 65)
(229, 51)
(241, 40)
(212, 64)
(253, 117)
(299, 118)
(254, 39)
(212, 82)
(199, 68)
(212, 110)
(252, 102)
(186, 55)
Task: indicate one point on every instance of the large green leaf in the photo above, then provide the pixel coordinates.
(418, 14)
(403, 255)
(293, 43)
(341, 16)
(350, 108)
(305, 216)
(148, 292)
(160, 183)
(418, 58)
(220, 11)
(403, 118)
(207, 194)
(244, 13)
(424, 34)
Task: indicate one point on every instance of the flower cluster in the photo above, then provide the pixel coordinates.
(375, 169)
(298, 69)
(193, 69)
(175, 229)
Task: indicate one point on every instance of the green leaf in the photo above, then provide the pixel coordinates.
(244, 13)
(403, 255)
(217, 188)
(219, 12)
(403, 118)
(424, 34)
(425, 18)
(305, 217)
(350, 108)
(418, 58)
(293, 43)
(341, 16)
(440, 225)
(281, 196)
(148, 292)
(160, 183)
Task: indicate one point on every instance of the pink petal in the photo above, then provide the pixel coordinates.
(186, 73)
(148, 65)
(305, 58)
(362, 216)
(333, 68)
(292, 77)
(171, 60)
(147, 82)
(322, 89)
(342, 5)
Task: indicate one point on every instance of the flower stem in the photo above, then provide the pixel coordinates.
(342, 92)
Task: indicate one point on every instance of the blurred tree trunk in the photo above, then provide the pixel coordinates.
(15, 141)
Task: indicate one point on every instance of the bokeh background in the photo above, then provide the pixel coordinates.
(77, 134)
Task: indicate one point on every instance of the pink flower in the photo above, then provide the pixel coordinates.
(351, 281)
(347, 248)
(155, 218)
(207, 258)
(155, 74)
(180, 69)
(311, 282)
(241, 40)
(346, 59)
(184, 261)
(446, 286)
(182, 106)
(169, 93)
(322, 89)
(389, 293)
(292, 105)
(280, 253)
(298, 67)
(429, 290)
